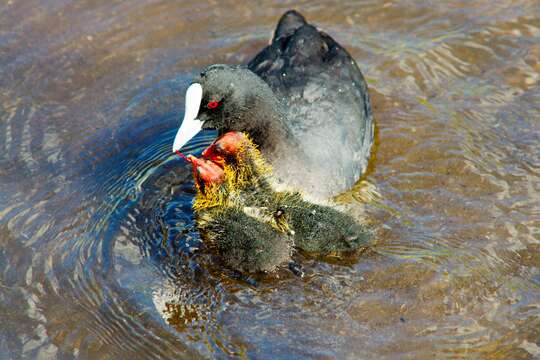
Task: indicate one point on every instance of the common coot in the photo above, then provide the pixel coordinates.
(302, 100)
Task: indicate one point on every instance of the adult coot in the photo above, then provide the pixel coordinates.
(303, 101)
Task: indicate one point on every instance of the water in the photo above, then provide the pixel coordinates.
(98, 254)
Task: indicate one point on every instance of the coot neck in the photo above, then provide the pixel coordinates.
(270, 130)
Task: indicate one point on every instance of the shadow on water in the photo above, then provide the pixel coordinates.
(99, 257)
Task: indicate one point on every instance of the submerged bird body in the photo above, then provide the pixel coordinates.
(245, 242)
(302, 100)
(254, 227)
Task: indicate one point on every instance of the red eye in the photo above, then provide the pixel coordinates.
(212, 104)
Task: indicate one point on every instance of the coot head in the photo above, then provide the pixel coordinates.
(206, 172)
(225, 98)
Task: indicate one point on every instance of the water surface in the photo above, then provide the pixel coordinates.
(99, 257)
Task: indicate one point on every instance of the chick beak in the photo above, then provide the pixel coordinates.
(205, 172)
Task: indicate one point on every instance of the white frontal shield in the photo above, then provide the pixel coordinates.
(190, 125)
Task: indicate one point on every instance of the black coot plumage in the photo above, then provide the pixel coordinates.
(303, 101)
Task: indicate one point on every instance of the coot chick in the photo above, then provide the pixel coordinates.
(246, 182)
(248, 239)
(302, 100)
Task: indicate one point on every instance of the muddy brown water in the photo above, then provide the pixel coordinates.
(98, 254)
